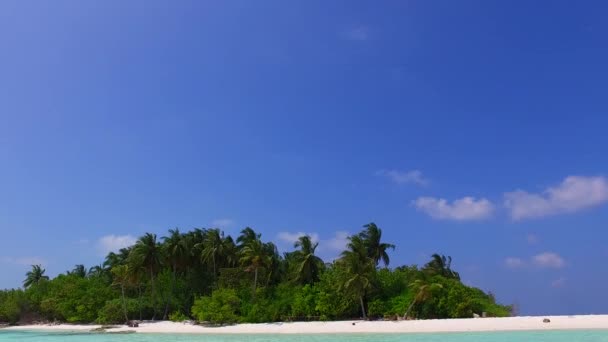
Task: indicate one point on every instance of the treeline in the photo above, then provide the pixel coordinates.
(208, 276)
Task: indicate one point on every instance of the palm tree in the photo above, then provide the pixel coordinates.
(230, 256)
(273, 266)
(254, 256)
(147, 254)
(360, 268)
(424, 291)
(191, 239)
(176, 252)
(115, 259)
(212, 248)
(441, 265)
(96, 271)
(79, 271)
(308, 263)
(247, 235)
(377, 250)
(121, 275)
(35, 276)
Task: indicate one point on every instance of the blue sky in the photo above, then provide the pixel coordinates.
(475, 129)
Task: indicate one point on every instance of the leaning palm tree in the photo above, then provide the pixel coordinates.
(35, 276)
(376, 249)
(360, 268)
(122, 279)
(424, 291)
(147, 254)
(309, 264)
(254, 256)
(441, 265)
(247, 235)
(78, 271)
(115, 259)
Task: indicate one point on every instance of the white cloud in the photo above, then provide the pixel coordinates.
(464, 209)
(293, 237)
(338, 242)
(560, 282)
(328, 249)
(532, 239)
(513, 262)
(542, 260)
(222, 223)
(23, 261)
(360, 33)
(548, 260)
(404, 177)
(113, 243)
(574, 193)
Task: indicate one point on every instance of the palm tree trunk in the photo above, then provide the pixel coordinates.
(124, 303)
(255, 280)
(409, 309)
(171, 293)
(362, 307)
(214, 271)
(139, 295)
(153, 294)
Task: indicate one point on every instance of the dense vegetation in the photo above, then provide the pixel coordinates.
(207, 276)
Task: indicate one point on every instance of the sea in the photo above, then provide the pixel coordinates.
(520, 336)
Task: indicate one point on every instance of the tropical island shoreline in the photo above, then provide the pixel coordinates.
(529, 323)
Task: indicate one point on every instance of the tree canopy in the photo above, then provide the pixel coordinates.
(206, 275)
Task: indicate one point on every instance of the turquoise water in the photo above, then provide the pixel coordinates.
(528, 336)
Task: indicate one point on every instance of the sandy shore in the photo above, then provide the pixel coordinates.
(422, 326)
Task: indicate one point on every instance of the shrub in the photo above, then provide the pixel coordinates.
(113, 312)
(178, 316)
(220, 308)
(11, 305)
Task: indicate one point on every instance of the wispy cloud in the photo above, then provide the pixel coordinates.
(548, 260)
(23, 261)
(559, 282)
(337, 243)
(532, 239)
(359, 33)
(464, 209)
(329, 248)
(404, 177)
(573, 194)
(512, 262)
(291, 238)
(542, 260)
(222, 223)
(113, 243)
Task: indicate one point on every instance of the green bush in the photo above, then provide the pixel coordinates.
(378, 308)
(220, 308)
(304, 302)
(12, 304)
(113, 312)
(178, 316)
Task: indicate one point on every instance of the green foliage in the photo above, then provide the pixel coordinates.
(207, 274)
(304, 305)
(221, 307)
(75, 299)
(332, 302)
(178, 316)
(12, 303)
(112, 311)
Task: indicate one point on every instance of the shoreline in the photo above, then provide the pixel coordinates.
(526, 323)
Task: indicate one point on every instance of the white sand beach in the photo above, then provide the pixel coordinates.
(421, 326)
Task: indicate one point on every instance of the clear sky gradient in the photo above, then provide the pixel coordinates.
(476, 129)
